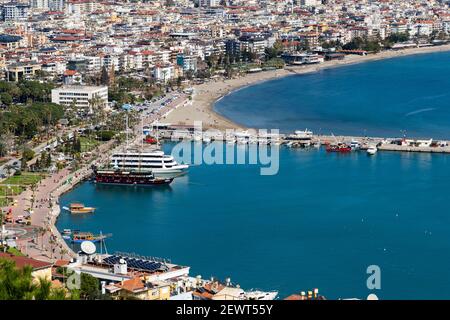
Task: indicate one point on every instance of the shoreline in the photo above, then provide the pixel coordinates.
(204, 98)
(206, 95)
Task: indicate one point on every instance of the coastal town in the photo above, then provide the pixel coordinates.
(72, 71)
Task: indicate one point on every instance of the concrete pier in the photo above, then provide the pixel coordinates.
(383, 144)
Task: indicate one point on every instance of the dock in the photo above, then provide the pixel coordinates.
(303, 139)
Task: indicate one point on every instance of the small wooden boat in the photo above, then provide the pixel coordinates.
(80, 208)
(79, 237)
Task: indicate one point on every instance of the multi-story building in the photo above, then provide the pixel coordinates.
(187, 63)
(80, 7)
(83, 98)
(10, 41)
(56, 5)
(253, 44)
(164, 73)
(208, 3)
(15, 11)
(39, 4)
(21, 70)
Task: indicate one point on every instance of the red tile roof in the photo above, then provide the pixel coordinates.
(24, 261)
(132, 285)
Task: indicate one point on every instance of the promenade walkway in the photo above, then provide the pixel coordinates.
(48, 244)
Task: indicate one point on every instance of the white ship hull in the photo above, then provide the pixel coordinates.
(261, 295)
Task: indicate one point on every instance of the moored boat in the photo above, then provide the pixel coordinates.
(75, 208)
(79, 237)
(150, 140)
(260, 295)
(128, 177)
(372, 150)
(355, 145)
(340, 147)
(155, 162)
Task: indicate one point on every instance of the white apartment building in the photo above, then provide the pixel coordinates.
(421, 29)
(94, 63)
(52, 5)
(310, 3)
(208, 3)
(81, 96)
(82, 7)
(15, 11)
(164, 73)
(39, 4)
(56, 5)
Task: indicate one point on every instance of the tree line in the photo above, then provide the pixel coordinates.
(24, 92)
(27, 120)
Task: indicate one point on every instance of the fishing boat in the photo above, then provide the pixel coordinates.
(340, 147)
(372, 150)
(79, 237)
(80, 208)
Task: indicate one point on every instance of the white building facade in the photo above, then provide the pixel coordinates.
(84, 98)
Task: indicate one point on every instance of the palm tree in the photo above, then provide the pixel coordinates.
(41, 232)
(18, 284)
(52, 243)
(63, 252)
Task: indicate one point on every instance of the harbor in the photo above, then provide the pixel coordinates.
(318, 195)
(297, 139)
(166, 225)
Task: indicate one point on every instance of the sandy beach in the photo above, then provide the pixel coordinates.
(205, 95)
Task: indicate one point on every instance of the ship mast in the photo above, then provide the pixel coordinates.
(126, 130)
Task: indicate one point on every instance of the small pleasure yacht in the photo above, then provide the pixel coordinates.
(372, 150)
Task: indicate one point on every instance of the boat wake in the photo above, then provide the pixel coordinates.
(419, 111)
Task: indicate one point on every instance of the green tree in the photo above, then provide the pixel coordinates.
(6, 98)
(27, 154)
(3, 150)
(90, 287)
(104, 77)
(15, 284)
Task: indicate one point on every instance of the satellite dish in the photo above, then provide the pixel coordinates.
(88, 247)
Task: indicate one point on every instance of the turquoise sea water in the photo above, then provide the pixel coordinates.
(321, 221)
(378, 98)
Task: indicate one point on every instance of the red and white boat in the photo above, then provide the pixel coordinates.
(340, 147)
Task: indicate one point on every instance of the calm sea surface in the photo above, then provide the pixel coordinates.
(379, 98)
(324, 218)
